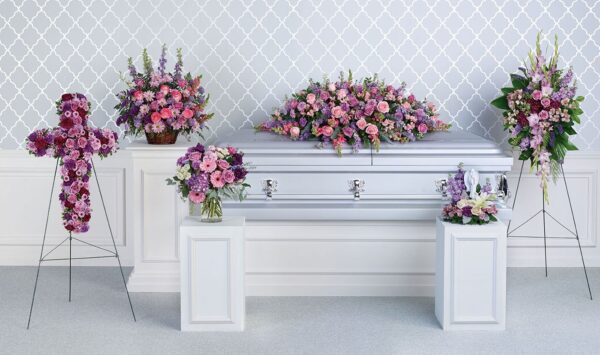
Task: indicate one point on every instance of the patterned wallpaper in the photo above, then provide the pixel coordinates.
(252, 53)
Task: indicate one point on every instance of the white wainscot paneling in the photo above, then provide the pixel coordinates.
(25, 184)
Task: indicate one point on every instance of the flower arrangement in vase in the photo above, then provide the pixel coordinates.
(540, 111)
(358, 113)
(469, 203)
(207, 174)
(162, 105)
(74, 143)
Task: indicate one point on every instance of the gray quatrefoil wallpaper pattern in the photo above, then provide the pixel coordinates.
(252, 53)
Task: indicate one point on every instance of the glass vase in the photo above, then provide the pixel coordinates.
(211, 210)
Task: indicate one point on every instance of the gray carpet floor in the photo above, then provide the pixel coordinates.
(545, 316)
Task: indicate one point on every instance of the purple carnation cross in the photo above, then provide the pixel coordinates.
(72, 144)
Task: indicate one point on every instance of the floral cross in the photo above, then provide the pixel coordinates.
(74, 143)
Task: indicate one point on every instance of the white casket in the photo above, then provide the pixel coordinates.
(294, 180)
(313, 236)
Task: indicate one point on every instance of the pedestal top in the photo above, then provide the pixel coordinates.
(492, 225)
(141, 145)
(232, 221)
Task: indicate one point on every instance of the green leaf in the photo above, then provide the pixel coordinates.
(569, 130)
(570, 146)
(501, 103)
(525, 155)
(576, 119)
(507, 90)
(518, 81)
(579, 98)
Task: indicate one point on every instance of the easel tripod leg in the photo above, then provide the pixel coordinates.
(37, 275)
(515, 199)
(587, 280)
(113, 241)
(544, 223)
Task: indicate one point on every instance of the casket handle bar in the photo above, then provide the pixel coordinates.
(269, 186)
(502, 191)
(357, 186)
(441, 186)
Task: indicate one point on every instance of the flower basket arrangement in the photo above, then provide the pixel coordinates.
(358, 113)
(540, 111)
(206, 175)
(74, 143)
(467, 207)
(162, 105)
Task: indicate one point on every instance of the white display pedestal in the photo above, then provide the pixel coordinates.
(470, 287)
(153, 214)
(212, 275)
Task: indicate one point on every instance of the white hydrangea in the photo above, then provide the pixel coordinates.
(183, 173)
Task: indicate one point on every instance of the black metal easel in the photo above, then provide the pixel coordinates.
(70, 238)
(545, 213)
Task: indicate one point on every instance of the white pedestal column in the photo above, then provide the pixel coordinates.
(154, 212)
(470, 288)
(212, 275)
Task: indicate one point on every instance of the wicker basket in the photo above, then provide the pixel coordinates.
(165, 137)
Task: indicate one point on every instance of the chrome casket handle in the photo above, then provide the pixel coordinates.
(269, 186)
(357, 186)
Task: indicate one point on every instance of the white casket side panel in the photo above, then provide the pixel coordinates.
(398, 181)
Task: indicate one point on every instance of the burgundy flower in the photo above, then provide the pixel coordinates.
(522, 119)
(535, 105)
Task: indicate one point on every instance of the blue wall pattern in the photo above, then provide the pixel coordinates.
(252, 53)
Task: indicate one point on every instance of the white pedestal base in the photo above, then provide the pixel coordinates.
(212, 275)
(470, 292)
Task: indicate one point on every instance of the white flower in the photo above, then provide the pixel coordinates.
(183, 173)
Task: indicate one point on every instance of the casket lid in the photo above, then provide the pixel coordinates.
(441, 149)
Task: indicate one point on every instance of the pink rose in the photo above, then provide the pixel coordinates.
(187, 113)
(361, 124)
(182, 83)
(422, 128)
(216, 179)
(411, 98)
(383, 107)
(138, 95)
(195, 156)
(164, 89)
(545, 102)
(166, 113)
(81, 142)
(208, 165)
(223, 164)
(537, 95)
(337, 112)
(228, 176)
(197, 197)
(331, 87)
(324, 95)
(294, 132)
(543, 115)
(327, 131)
(155, 117)
(371, 129)
(348, 131)
(342, 93)
(310, 98)
(176, 95)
